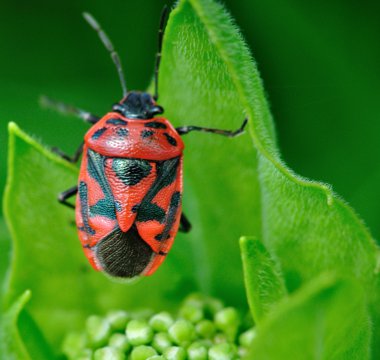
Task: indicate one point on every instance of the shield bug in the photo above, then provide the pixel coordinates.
(128, 205)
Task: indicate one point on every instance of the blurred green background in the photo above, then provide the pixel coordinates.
(319, 61)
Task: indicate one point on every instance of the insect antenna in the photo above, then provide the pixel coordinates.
(109, 46)
(161, 31)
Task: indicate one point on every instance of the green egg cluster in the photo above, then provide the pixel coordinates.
(203, 329)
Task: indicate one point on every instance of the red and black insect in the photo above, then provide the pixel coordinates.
(128, 206)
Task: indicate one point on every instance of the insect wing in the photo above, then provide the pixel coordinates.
(158, 216)
(130, 181)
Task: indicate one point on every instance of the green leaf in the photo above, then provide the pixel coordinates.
(19, 336)
(307, 227)
(264, 283)
(375, 312)
(326, 319)
(4, 256)
(303, 223)
(311, 230)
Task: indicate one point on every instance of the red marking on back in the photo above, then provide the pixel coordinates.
(150, 229)
(155, 147)
(100, 224)
(128, 196)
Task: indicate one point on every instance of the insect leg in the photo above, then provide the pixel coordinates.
(183, 130)
(72, 159)
(68, 109)
(185, 225)
(65, 195)
(161, 31)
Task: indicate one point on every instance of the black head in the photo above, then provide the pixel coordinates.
(138, 105)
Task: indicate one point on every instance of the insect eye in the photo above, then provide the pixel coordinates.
(156, 110)
(118, 108)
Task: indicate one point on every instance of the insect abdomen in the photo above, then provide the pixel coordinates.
(123, 254)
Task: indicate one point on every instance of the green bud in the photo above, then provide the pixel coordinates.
(222, 352)
(195, 300)
(182, 331)
(205, 342)
(242, 352)
(191, 312)
(175, 353)
(197, 351)
(228, 320)
(85, 354)
(161, 341)
(205, 329)
(73, 344)
(142, 314)
(246, 338)
(139, 332)
(119, 341)
(220, 338)
(108, 353)
(142, 352)
(98, 331)
(213, 306)
(118, 319)
(161, 321)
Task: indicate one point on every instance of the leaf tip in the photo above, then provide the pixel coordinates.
(248, 244)
(244, 240)
(26, 295)
(13, 127)
(18, 303)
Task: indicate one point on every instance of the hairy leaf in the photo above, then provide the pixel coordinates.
(326, 319)
(264, 283)
(4, 256)
(20, 338)
(304, 224)
(309, 228)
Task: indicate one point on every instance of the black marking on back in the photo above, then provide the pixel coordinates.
(166, 174)
(98, 133)
(131, 171)
(104, 207)
(95, 167)
(160, 236)
(155, 125)
(170, 219)
(83, 198)
(116, 121)
(124, 255)
(146, 133)
(170, 139)
(122, 132)
(149, 211)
